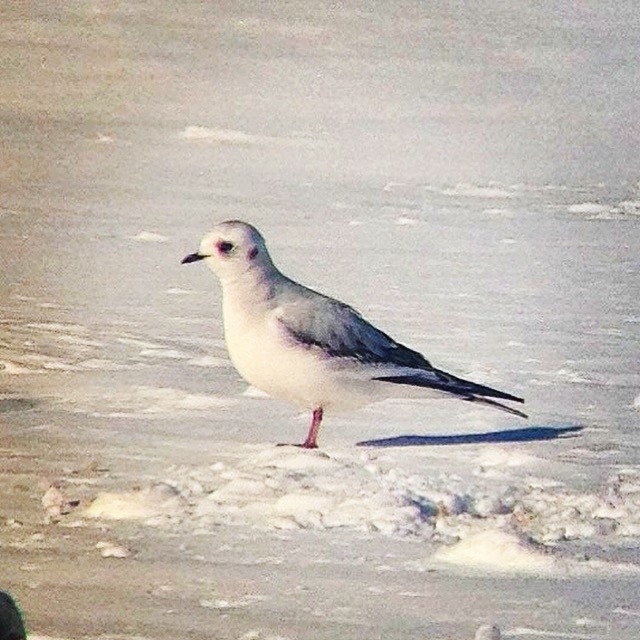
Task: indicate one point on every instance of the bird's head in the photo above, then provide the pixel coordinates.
(231, 249)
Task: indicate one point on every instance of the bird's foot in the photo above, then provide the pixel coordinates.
(304, 445)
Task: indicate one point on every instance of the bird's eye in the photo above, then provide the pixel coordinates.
(225, 247)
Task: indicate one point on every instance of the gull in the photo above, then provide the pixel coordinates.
(311, 350)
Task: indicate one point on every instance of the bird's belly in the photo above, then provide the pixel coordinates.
(284, 369)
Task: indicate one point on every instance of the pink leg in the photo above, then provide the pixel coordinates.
(312, 436)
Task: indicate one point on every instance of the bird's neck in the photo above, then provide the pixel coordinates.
(252, 288)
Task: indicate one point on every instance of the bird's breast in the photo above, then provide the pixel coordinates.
(271, 360)
(264, 358)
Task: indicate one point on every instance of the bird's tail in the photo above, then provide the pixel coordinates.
(464, 389)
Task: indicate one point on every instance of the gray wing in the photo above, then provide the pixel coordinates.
(340, 331)
(314, 320)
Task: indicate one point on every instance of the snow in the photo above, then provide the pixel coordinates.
(150, 236)
(546, 633)
(214, 135)
(145, 503)
(506, 552)
(630, 207)
(110, 550)
(496, 550)
(209, 361)
(588, 207)
(477, 191)
(285, 488)
(488, 632)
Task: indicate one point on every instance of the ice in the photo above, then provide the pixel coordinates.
(144, 401)
(438, 169)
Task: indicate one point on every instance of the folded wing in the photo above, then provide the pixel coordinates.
(340, 331)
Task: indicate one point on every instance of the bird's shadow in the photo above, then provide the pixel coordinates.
(527, 434)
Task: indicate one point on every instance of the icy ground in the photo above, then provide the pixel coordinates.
(143, 421)
(466, 178)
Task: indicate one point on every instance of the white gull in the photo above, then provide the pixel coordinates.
(298, 345)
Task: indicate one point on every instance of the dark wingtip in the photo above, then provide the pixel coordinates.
(498, 405)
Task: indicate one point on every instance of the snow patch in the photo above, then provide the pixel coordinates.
(496, 550)
(630, 207)
(588, 208)
(209, 361)
(149, 236)
(288, 488)
(232, 137)
(101, 138)
(171, 354)
(545, 633)
(405, 221)
(159, 499)
(178, 291)
(477, 191)
(488, 632)
(111, 550)
(498, 212)
(479, 524)
(13, 369)
(502, 551)
(504, 457)
(253, 392)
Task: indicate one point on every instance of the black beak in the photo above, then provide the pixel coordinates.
(193, 257)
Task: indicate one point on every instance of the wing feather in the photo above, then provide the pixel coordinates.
(342, 332)
(314, 320)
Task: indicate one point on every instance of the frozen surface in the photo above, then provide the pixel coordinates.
(467, 178)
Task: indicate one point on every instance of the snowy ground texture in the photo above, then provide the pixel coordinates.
(466, 179)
